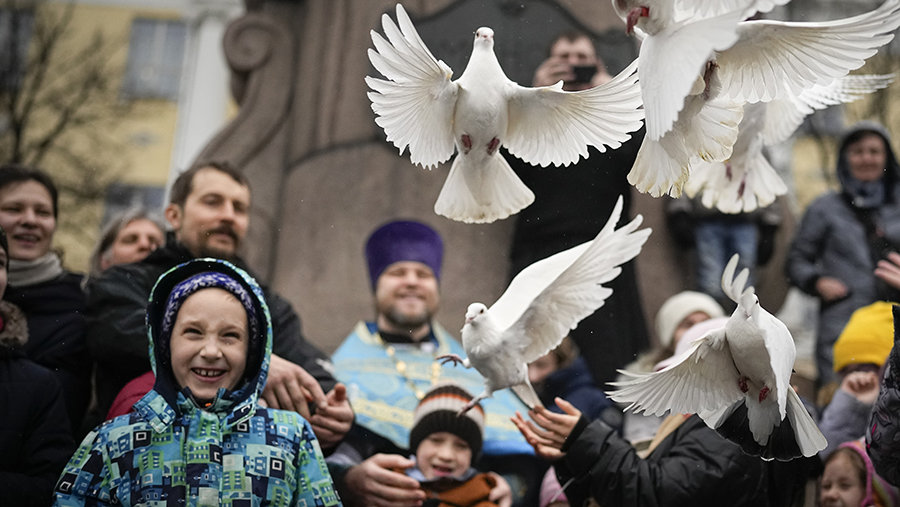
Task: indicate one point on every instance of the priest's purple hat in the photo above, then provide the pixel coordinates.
(403, 241)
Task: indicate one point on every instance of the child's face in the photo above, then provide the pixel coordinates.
(443, 454)
(209, 342)
(841, 486)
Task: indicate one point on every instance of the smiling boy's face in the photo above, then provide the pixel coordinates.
(443, 454)
(209, 343)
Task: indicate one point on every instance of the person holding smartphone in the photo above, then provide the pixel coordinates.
(569, 206)
(573, 61)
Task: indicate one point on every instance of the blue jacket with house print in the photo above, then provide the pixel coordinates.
(171, 452)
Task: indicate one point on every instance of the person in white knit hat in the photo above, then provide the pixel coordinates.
(678, 314)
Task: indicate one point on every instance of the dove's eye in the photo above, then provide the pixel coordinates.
(481, 311)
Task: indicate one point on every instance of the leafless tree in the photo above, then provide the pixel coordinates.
(59, 104)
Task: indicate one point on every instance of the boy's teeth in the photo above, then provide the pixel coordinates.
(207, 373)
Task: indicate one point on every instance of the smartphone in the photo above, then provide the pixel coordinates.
(583, 73)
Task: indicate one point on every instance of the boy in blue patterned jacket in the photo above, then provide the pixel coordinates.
(200, 437)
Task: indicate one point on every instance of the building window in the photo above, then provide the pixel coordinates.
(15, 34)
(155, 55)
(121, 198)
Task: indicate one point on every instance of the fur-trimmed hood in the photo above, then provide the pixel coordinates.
(14, 334)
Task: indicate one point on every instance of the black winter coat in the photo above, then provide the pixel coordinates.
(55, 313)
(117, 332)
(692, 466)
(35, 435)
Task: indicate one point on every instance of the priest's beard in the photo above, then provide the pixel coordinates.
(405, 322)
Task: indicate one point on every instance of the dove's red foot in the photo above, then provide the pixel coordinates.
(742, 384)
(466, 143)
(707, 77)
(633, 16)
(763, 393)
(449, 358)
(493, 145)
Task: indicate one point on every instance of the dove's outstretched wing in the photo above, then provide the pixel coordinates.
(534, 279)
(707, 8)
(682, 49)
(415, 105)
(704, 379)
(577, 292)
(773, 59)
(783, 116)
(550, 126)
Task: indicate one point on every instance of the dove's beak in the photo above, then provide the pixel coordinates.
(469, 319)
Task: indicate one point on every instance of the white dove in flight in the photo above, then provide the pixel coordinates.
(746, 181)
(700, 63)
(541, 305)
(419, 107)
(737, 379)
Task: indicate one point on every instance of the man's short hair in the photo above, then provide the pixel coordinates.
(570, 35)
(184, 184)
(17, 173)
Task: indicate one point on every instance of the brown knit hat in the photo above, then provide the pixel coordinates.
(438, 412)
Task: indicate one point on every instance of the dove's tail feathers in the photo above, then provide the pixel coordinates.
(661, 167)
(763, 417)
(713, 131)
(664, 166)
(809, 437)
(527, 394)
(795, 436)
(756, 184)
(740, 186)
(482, 194)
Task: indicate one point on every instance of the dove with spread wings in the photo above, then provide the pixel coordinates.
(747, 181)
(700, 62)
(737, 378)
(421, 108)
(541, 305)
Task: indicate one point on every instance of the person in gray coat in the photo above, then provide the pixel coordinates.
(845, 233)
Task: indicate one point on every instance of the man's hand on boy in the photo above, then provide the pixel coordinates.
(290, 387)
(332, 421)
(552, 429)
(380, 481)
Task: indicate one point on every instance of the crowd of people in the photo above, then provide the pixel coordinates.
(188, 382)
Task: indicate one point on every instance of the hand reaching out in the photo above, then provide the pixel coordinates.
(501, 494)
(551, 430)
(830, 289)
(889, 270)
(862, 385)
(332, 420)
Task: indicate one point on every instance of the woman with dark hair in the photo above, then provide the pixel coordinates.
(50, 297)
(844, 234)
(35, 435)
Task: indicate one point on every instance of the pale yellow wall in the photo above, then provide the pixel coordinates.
(144, 137)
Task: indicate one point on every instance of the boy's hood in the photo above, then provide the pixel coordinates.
(259, 350)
